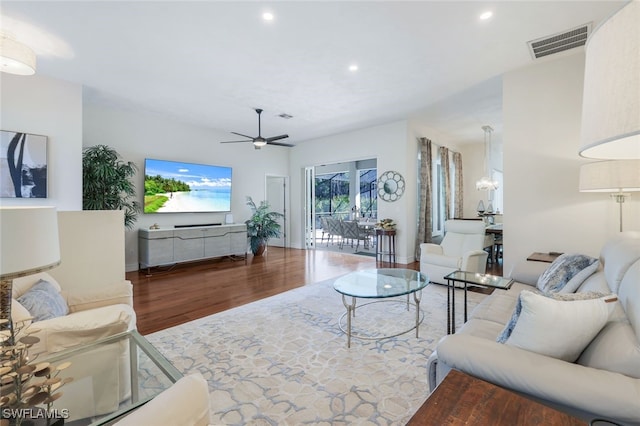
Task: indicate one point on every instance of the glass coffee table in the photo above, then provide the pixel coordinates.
(466, 278)
(380, 284)
(111, 377)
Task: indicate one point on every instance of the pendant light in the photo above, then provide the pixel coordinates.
(486, 183)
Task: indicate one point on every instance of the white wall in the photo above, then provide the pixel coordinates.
(472, 170)
(545, 211)
(50, 107)
(393, 149)
(137, 135)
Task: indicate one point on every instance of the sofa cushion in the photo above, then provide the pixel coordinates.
(556, 328)
(566, 273)
(615, 348)
(43, 301)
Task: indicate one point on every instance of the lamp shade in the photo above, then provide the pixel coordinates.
(28, 240)
(611, 98)
(15, 57)
(610, 176)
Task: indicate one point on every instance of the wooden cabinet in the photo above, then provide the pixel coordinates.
(173, 245)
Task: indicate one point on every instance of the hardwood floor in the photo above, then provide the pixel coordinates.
(170, 296)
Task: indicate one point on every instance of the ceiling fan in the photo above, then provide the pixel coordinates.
(259, 141)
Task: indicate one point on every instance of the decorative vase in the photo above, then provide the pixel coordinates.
(480, 207)
(260, 249)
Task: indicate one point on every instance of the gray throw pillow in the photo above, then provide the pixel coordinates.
(44, 302)
(566, 273)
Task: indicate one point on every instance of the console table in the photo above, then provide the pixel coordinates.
(166, 246)
(464, 400)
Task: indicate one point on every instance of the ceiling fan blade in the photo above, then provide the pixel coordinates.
(280, 144)
(244, 136)
(249, 140)
(276, 138)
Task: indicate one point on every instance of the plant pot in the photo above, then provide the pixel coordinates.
(260, 249)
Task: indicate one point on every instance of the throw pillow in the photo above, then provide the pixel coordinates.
(566, 273)
(44, 302)
(567, 297)
(556, 328)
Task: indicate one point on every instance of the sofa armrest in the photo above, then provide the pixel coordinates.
(113, 294)
(186, 402)
(528, 272)
(474, 261)
(587, 390)
(430, 248)
(82, 327)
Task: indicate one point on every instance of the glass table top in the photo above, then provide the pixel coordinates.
(381, 283)
(487, 280)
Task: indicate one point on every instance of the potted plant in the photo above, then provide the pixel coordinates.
(262, 225)
(106, 183)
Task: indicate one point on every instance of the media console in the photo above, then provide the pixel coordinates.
(167, 246)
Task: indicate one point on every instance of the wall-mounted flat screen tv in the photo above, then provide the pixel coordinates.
(175, 187)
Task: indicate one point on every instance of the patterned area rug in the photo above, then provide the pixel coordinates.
(284, 360)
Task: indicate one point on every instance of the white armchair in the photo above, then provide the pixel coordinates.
(460, 249)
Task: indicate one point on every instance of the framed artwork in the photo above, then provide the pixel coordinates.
(23, 165)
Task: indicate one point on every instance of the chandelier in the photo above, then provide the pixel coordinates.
(486, 183)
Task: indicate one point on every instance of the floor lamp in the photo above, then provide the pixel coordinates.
(618, 177)
(28, 245)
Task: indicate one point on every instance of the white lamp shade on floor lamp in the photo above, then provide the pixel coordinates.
(611, 98)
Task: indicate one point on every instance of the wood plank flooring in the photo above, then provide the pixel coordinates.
(171, 296)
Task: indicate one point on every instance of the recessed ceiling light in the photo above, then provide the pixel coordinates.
(486, 15)
(267, 16)
(353, 68)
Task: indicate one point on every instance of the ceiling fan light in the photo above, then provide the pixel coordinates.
(15, 57)
(259, 142)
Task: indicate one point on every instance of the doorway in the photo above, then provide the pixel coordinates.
(342, 191)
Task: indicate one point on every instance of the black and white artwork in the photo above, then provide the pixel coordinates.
(23, 165)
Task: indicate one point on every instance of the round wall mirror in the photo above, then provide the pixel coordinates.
(390, 186)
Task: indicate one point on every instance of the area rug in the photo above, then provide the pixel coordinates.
(365, 253)
(284, 360)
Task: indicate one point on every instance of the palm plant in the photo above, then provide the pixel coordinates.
(106, 183)
(262, 225)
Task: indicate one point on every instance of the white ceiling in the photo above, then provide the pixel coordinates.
(211, 62)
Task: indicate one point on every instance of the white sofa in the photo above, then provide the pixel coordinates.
(604, 382)
(94, 314)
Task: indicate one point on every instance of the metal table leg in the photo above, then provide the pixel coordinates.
(416, 299)
(351, 312)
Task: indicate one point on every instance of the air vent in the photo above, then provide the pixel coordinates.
(560, 42)
(285, 116)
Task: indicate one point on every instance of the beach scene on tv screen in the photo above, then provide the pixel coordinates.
(175, 187)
